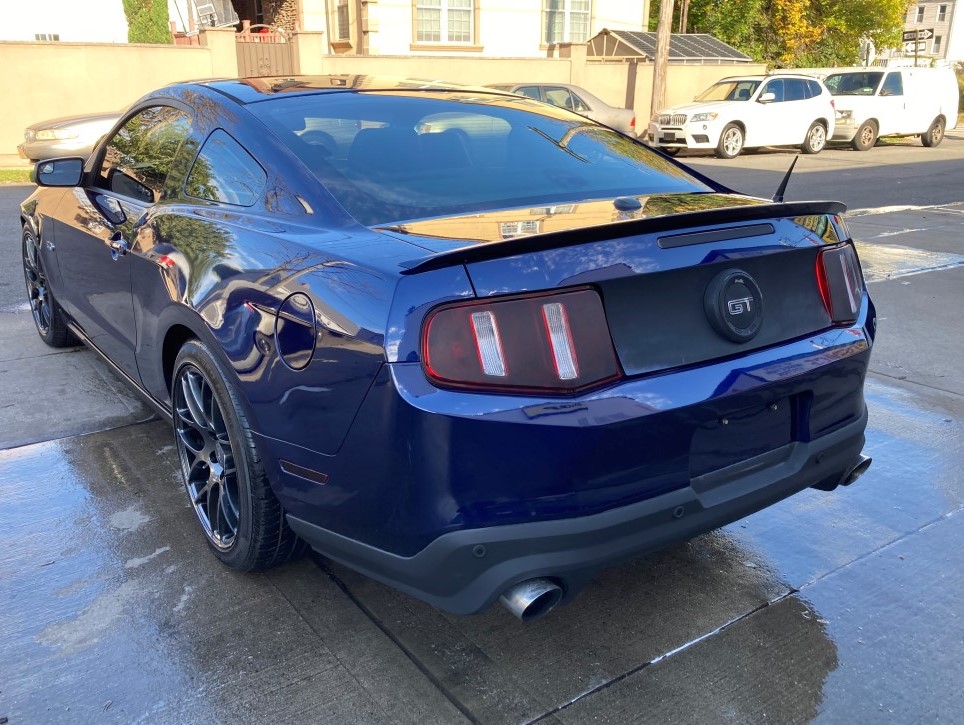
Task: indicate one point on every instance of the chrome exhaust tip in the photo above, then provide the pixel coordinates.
(532, 598)
(863, 463)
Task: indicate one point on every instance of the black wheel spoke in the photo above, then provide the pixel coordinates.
(204, 447)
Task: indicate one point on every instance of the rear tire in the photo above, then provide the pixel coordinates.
(731, 142)
(934, 135)
(670, 151)
(865, 137)
(815, 140)
(48, 317)
(242, 520)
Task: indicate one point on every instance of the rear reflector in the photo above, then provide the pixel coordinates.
(543, 343)
(488, 343)
(840, 283)
(563, 354)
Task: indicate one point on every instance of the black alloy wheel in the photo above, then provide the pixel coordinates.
(223, 475)
(47, 315)
(207, 460)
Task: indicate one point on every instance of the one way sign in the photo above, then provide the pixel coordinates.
(912, 35)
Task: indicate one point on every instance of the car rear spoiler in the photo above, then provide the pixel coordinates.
(480, 252)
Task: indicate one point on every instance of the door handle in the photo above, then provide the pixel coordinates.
(118, 245)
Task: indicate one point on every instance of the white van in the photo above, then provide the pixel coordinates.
(875, 102)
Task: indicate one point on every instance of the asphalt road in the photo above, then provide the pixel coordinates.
(836, 607)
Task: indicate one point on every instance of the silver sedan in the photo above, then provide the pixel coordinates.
(65, 136)
(576, 99)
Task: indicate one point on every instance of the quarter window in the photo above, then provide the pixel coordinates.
(565, 21)
(225, 172)
(443, 21)
(138, 158)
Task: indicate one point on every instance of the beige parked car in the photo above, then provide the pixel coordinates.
(575, 99)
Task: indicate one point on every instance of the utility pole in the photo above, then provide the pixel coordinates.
(663, 30)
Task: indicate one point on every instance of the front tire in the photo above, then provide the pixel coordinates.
(731, 142)
(48, 317)
(815, 140)
(242, 520)
(866, 137)
(934, 135)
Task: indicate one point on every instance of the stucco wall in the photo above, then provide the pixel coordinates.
(63, 79)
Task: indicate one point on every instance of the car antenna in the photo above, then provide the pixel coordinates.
(778, 197)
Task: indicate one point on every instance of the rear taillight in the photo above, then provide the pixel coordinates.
(839, 279)
(543, 343)
(632, 124)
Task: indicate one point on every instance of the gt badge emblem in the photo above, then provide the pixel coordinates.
(734, 305)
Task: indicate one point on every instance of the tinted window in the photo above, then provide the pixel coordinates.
(893, 85)
(776, 88)
(139, 156)
(438, 153)
(225, 172)
(814, 88)
(795, 89)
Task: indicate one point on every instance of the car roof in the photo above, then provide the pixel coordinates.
(254, 90)
(768, 76)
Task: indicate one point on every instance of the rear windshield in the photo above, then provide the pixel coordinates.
(392, 157)
(853, 84)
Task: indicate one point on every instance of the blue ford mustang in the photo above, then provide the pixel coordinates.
(468, 344)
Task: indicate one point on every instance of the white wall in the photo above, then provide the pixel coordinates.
(507, 28)
(75, 21)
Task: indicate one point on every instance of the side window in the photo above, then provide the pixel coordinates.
(893, 85)
(796, 89)
(225, 172)
(776, 88)
(559, 97)
(139, 156)
(531, 91)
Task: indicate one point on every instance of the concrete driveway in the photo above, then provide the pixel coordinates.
(838, 607)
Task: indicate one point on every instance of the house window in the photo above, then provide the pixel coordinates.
(443, 21)
(565, 21)
(341, 19)
(46, 36)
(937, 45)
(920, 13)
(941, 13)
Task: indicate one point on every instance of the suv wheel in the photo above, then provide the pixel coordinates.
(815, 140)
(866, 137)
(731, 142)
(935, 134)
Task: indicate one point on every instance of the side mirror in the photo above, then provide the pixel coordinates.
(58, 172)
(767, 98)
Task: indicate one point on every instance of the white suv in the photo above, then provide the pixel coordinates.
(780, 109)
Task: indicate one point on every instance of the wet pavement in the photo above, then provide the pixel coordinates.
(833, 607)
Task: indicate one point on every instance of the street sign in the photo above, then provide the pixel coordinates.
(922, 34)
(913, 47)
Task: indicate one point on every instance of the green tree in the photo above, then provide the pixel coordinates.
(798, 33)
(147, 21)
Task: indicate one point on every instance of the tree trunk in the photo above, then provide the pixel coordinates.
(662, 55)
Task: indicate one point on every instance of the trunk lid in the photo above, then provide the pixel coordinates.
(684, 278)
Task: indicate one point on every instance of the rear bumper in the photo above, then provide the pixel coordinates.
(465, 571)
